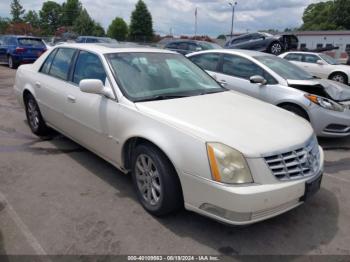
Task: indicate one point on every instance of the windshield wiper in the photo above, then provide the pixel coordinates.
(160, 97)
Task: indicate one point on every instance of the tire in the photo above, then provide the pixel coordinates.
(339, 77)
(34, 117)
(275, 48)
(155, 181)
(12, 64)
(296, 110)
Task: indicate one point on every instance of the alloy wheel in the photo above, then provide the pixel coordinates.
(339, 78)
(10, 62)
(33, 114)
(276, 49)
(148, 180)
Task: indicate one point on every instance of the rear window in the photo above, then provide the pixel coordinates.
(31, 42)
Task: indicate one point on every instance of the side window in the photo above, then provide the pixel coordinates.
(311, 59)
(243, 68)
(172, 46)
(183, 46)
(61, 63)
(88, 66)
(207, 61)
(45, 68)
(294, 57)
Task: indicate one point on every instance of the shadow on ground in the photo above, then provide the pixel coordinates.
(300, 231)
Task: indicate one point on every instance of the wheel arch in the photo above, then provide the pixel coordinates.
(282, 104)
(338, 72)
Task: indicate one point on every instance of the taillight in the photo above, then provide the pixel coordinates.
(20, 50)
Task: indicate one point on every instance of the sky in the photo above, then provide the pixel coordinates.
(178, 16)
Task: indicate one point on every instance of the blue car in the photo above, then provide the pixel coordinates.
(16, 50)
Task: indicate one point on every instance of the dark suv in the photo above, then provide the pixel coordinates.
(15, 50)
(188, 46)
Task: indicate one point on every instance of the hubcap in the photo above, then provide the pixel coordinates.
(10, 62)
(147, 178)
(339, 78)
(33, 114)
(276, 49)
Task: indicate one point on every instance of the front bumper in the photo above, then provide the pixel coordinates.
(242, 205)
(328, 123)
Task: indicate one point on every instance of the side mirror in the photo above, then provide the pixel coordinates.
(92, 86)
(258, 80)
(320, 62)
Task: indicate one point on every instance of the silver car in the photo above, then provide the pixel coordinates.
(325, 103)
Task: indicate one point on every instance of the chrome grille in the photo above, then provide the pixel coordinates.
(299, 163)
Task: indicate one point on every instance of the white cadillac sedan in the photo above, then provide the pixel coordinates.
(321, 65)
(186, 140)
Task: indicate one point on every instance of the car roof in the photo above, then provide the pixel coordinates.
(243, 52)
(114, 48)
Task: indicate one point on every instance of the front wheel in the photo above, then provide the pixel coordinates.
(339, 77)
(34, 117)
(275, 49)
(155, 180)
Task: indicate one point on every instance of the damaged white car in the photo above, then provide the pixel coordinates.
(325, 103)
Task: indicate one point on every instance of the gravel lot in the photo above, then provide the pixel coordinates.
(58, 198)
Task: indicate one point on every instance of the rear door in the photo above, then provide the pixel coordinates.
(52, 86)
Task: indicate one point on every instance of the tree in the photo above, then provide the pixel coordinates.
(319, 17)
(83, 24)
(341, 13)
(98, 30)
(17, 11)
(141, 26)
(71, 10)
(4, 23)
(118, 29)
(50, 17)
(32, 18)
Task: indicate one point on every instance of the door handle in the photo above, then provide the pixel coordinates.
(223, 82)
(71, 99)
(37, 84)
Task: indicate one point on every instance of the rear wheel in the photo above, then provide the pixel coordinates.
(339, 77)
(12, 64)
(296, 110)
(34, 117)
(275, 48)
(155, 181)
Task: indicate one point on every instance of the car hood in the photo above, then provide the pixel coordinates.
(253, 127)
(335, 90)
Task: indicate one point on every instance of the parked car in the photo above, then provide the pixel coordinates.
(264, 42)
(95, 39)
(185, 139)
(321, 65)
(15, 50)
(325, 103)
(188, 46)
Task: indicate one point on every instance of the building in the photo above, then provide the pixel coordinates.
(320, 39)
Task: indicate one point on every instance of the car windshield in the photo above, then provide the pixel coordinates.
(328, 59)
(31, 42)
(152, 76)
(209, 46)
(284, 68)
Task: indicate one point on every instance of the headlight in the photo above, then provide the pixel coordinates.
(228, 165)
(325, 103)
